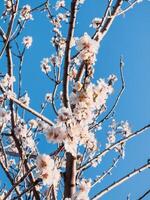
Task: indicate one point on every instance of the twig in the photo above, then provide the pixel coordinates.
(28, 189)
(144, 195)
(128, 8)
(9, 177)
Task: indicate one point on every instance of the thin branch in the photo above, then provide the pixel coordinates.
(18, 182)
(101, 33)
(144, 195)
(28, 189)
(129, 7)
(105, 16)
(100, 178)
(32, 111)
(120, 181)
(107, 116)
(10, 27)
(113, 146)
(9, 177)
(2, 33)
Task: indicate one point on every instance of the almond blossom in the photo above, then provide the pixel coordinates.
(96, 22)
(25, 99)
(88, 48)
(45, 67)
(8, 4)
(84, 188)
(48, 150)
(25, 13)
(7, 81)
(27, 41)
(47, 170)
(4, 116)
(59, 4)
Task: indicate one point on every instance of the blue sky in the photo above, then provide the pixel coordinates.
(129, 36)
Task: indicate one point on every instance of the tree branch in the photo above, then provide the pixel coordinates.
(120, 181)
(113, 146)
(108, 21)
(68, 53)
(70, 175)
(32, 111)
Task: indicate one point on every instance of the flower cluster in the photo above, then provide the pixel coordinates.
(25, 136)
(48, 172)
(88, 48)
(122, 129)
(25, 13)
(72, 126)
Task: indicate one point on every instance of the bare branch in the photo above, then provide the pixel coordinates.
(120, 181)
(107, 172)
(10, 26)
(144, 195)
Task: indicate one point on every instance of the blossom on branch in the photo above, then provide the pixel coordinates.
(48, 170)
(88, 48)
(27, 41)
(45, 67)
(25, 13)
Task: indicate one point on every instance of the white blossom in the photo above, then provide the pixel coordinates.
(27, 41)
(7, 81)
(47, 170)
(126, 128)
(56, 133)
(25, 99)
(96, 22)
(45, 67)
(4, 116)
(64, 114)
(48, 97)
(88, 48)
(81, 1)
(8, 4)
(25, 13)
(59, 4)
(33, 123)
(84, 188)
